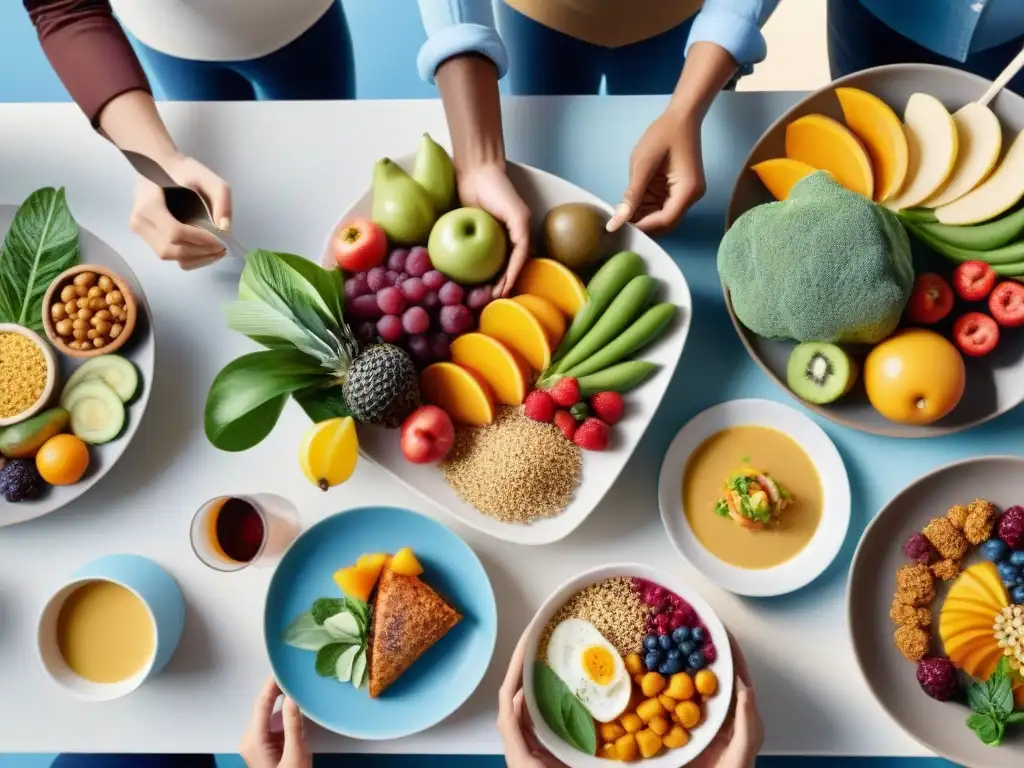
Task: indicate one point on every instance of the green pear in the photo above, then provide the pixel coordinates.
(401, 206)
(434, 171)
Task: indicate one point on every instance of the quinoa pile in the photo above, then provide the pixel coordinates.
(610, 605)
(515, 470)
(22, 374)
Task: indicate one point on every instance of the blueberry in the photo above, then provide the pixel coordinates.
(661, 655)
(690, 671)
(664, 642)
(687, 648)
(696, 660)
(651, 642)
(1008, 572)
(995, 550)
(673, 666)
(697, 635)
(663, 668)
(681, 635)
(1020, 581)
(651, 661)
(1017, 558)
(1018, 595)
(674, 654)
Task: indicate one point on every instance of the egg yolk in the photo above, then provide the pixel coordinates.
(598, 664)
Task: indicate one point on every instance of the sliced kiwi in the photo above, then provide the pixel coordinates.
(820, 373)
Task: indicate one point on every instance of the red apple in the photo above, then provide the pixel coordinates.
(427, 435)
(359, 245)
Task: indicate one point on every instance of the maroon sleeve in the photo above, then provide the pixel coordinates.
(88, 50)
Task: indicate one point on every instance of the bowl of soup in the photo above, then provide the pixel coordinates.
(114, 625)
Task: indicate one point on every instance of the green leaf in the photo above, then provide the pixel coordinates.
(1015, 717)
(359, 669)
(327, 659)
(978, 698)
(360, 610)
(343, 627)
(325, 607)
(306, 634)
(246, 398)
(323, 403)
(563, 711)
(329, 283)
(1001, 695)
(579, 724)
(343, 669)
(1003, 667)
(41, 243)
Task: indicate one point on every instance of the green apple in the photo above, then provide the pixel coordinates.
(467, 245)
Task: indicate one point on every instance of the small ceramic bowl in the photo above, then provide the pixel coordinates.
(131, 308)
(51, 373)
(157, 590)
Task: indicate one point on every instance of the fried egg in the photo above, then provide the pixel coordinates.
(591, 667)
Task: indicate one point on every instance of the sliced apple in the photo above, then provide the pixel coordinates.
(780, 174)
(878, 127)
(994, 196)
(828, 145)
(932, 143)
(980, 140)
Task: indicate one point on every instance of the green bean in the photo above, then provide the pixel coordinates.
(644, 330)
(980, 237)
(619, 378)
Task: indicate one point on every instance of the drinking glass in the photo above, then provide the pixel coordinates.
(232, 532)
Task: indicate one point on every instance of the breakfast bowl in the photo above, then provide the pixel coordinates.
(865, 118)
(35, 353)
(625, 662)
(100, 300)
(114, 625)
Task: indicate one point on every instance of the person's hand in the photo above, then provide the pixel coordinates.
(522, 750)
(191, 247)
(666, 174)
(487, 186)
(267, 746)
(736, 745)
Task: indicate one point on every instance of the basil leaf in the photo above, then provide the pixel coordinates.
(978, 698)
(325, 607)
(327, 659)
(562, 711)
(579, 724)
(306, 634)
(322, 403)
(360, 610)
(343, 669)
(41, 243)
(359, 669)
(343, 627)
(1001, 695)
(1003, 667)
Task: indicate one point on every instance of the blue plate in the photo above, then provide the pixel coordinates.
(440, 680)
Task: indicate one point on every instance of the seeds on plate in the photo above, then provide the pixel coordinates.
(946, 570)
(912, 642)
(980, 520)
(908, 615)
(610, 605)
(916, 585)
(515, 470)
(957, 515)
(947, 540)
(22, 374)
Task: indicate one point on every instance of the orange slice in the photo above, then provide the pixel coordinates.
(553, 281)
(457, 391)
(505, 372)
(515, 326)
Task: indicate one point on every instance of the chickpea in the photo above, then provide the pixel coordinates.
(85, 314)
(103, 328)
(96, 304)
(115, 297)
(57, 312)
(95, 292)
(103, 314)
(71, 307)
(86, 279)
(81, 291)
(82, 303)
(99, 342)
(115, 330)
(67, 293)
(79, 334)
(80, 323)
(74, 345)
(92, 334)
(106, 283)
(64, 327)
(117, 313)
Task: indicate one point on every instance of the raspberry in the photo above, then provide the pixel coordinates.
(937, 677)
(1011, 527)
(919, 549)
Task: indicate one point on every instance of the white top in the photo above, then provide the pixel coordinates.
(218, 30)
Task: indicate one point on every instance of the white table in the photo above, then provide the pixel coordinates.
(294, 167)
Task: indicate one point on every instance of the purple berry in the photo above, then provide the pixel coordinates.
(418, 262)
(456, 319)
(366, 332)
(415, 320)
(451, 294)
(389, 328)
(419, 349)
(392, 277)
(938, 678)
(430, 300)
(377, 278)
(391, 301)
(919, 549)
(479, 297)
(433, 280)
(414, 290)
(365, 307)
(440, 344)
(356, 286)
(1011, 527)
(396, 261)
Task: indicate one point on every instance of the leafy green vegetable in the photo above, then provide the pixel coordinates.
(41, 243)
(321, 404)
(343, 670)
(722, 508)
(306, 634)
(359, 668)
(992, 702)
(344, 627)
(325, 607)
(337, 628)
(327, 659)
(359, 609)
(563, 711)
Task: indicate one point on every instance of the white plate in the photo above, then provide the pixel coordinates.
(715, 710)
(823, 547)
(542, 191)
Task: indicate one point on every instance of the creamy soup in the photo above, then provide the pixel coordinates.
(771, 452)
(105, 633)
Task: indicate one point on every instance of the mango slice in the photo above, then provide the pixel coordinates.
(547, 314)
(404, 563)
(515, 326)
(879, 129)
(459, 392)
(779, 175)
(828, 145)
(505, 372)
(553, 281)
(356, 582)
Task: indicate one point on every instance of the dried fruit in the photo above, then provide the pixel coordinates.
(937, 677)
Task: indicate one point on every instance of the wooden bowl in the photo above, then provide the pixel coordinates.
(51, 373)
(131, 309)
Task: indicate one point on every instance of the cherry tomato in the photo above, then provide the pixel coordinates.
(974, 280)
(1007, 304)
(359, 245)
(976, 334)
(931, 300)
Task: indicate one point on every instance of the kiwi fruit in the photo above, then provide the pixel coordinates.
(820, 373)
(574, 234)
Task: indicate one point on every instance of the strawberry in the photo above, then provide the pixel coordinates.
(1007, 304)
(539, 406)
(591, 435)
(566, 393)
(608, 406)
(974, 280)
(565, 422)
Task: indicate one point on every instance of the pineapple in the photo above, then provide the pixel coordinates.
(381, 386)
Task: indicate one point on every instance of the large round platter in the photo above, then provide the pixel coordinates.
(940, 726)
(827, 539)
(995, 383)
(440, 681)
(542, 191)
(140, 349)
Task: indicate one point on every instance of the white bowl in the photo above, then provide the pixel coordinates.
(827, 540)
(51, 372)
(716, 709)
(542, 191)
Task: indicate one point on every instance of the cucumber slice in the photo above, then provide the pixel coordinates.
(97, 413)
(115, 371)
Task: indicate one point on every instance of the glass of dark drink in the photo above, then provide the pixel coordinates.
(230, 533)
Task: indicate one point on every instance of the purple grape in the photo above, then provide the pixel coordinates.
(420, 349)
(356, 286)
(430, 300)
(456, 319)
(418, 262)
(366, 332)
(377, 278)
(479, 297)
(415, 320)
(391, 301)
(396, 260)
(414, 290)
(390, 328)
(433, 280)
(440, 346)
(451, 293)
(392, 277)
(365, 307)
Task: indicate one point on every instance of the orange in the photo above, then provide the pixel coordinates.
(547, 315)
(457, 391)
(515, 326)
(505, 372)
(553, 281)
(62, 460)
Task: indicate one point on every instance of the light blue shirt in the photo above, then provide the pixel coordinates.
(952, 28)
(456, 27)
